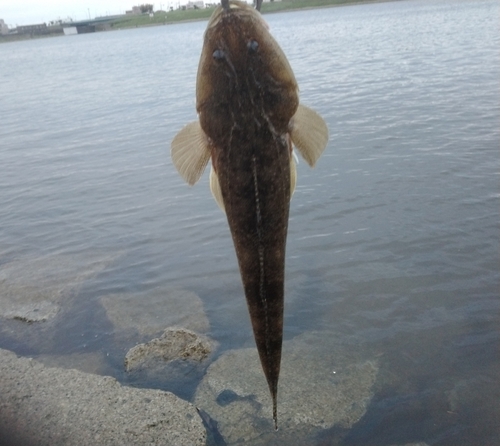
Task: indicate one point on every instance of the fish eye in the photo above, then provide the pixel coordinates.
(253, 46)
(218, 54)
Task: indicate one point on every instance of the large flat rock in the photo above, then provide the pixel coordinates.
(322, 384)
(148, 313)
(40, 406)
(88, 362)
(32, 289)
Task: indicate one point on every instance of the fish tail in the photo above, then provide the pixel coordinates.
(275, 412)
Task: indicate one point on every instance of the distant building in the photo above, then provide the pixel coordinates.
(136, 10)
(4, 29)
(40, 28)
(195, 5)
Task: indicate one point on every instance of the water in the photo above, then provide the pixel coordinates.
(394, 236)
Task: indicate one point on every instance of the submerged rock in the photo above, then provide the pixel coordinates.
(150, 312)
(52, 406)
(321, 385)
(173, 344)
(32, 289)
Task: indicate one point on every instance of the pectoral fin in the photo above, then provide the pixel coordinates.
(190, 152)
(215, 188)
(309, 134)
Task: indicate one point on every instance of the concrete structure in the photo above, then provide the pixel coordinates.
(89, 26)
(47, 406)
(70, 30)
(79, 29)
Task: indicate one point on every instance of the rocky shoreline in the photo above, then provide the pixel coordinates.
(70, 399)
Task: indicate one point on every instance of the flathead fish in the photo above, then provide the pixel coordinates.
(249, 117)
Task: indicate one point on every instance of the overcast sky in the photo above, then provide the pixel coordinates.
(27, 12)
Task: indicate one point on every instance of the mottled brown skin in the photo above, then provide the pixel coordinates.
(246, 96)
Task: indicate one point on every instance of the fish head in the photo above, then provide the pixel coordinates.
(243, 74)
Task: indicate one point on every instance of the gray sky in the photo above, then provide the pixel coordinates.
(27, 12)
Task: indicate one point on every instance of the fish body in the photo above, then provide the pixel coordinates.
(249, 115)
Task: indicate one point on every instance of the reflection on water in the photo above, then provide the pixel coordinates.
(393, 238)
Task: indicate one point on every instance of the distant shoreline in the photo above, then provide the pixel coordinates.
(183, 16)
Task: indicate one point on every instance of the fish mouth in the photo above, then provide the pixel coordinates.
(228, 7)
(225, 4)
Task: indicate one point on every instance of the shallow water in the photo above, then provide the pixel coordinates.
(394, 237)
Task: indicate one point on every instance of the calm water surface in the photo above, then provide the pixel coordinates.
(394, 236)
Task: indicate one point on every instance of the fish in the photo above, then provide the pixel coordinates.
(249, 120)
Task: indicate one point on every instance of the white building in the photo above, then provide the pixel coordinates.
(195, 5)
(4, 29)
